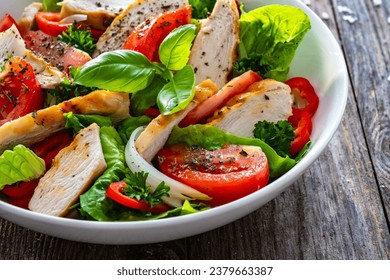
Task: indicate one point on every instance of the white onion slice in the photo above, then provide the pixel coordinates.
(74, 18)
(178, 191)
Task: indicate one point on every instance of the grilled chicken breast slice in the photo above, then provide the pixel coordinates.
(100, 13)
(267, 100)
(137, 12)
(27, 20)
(153, 138)
(73, 171)
(37, 126)
(215, 47)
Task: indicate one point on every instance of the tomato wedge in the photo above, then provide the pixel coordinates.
(21, 190)
(49, 23)
(6, 22)
(20, 92)
(114, 192)
(225, 175)
(306, 91)
(205, 109)
(301, 121)
(147, 37)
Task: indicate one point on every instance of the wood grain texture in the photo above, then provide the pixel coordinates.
(338, 209)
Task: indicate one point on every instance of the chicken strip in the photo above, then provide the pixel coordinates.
(136, 13)
(100, 13)
(153, 138)
(267, 100)
(37, 126)
(215, 47)
(27, 20)
(73, 171)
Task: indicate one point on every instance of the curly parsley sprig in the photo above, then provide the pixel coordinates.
(79, 38)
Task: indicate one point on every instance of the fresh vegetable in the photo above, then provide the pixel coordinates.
(6, 22)
(65, 91)
(226, 174)
(51, 5)
(130, 71)
(50, 23)
(303, 89)
(217, 101)
(201, 8)
(147, 37)
(78, 38)
(212, 138)
(302, 124)
(133, 192)
(50, 147)
(178, 193)
(20, 92)
(278, 135)
(78, 122)
(19, 165)
(269, 37)
(20, 190)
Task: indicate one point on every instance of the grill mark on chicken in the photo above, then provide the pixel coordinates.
(37, 126)
(73, 171)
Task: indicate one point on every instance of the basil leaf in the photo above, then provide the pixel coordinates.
(146, 98)
(121, 70)
(175, 50)
(177, 93)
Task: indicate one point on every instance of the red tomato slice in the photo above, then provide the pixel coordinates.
(20, 92)
(114, 192)
(225, 175)
(147, 37)
(21, 190)
(50, 147)
(215, 102)
(20, 202)
(49, 23)
(6, 22)
(306, 91)
(301, 121)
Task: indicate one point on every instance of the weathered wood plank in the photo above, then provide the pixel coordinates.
(368, 57)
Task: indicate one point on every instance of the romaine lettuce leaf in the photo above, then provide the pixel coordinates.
(270, 36)
(20, 165)
(201, 8)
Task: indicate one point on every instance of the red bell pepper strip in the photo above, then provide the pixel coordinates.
(306, 91)
(301, 121)
(114, 192)
(49, 23)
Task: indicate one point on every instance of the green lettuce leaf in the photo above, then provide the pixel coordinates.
(20, 165)
(80, 121)
(212, 138)
(51, 5)
(270, 36)
(126, 127)
(201, 8)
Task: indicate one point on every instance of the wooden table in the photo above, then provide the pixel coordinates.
(339, 208)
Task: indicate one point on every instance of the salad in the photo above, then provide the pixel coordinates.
(149, 110)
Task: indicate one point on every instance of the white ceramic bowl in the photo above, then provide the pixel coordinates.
(319, 58)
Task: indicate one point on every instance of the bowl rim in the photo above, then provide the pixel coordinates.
(263, 195)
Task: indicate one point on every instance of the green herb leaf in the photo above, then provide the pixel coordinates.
(201, 8)
(178, 93)
(278, 135)
(175, 50)
(51, 5)
(78, 38)
(138, 189)
(65, 91)
(20, 165)
(146, 98)
(121, 70)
